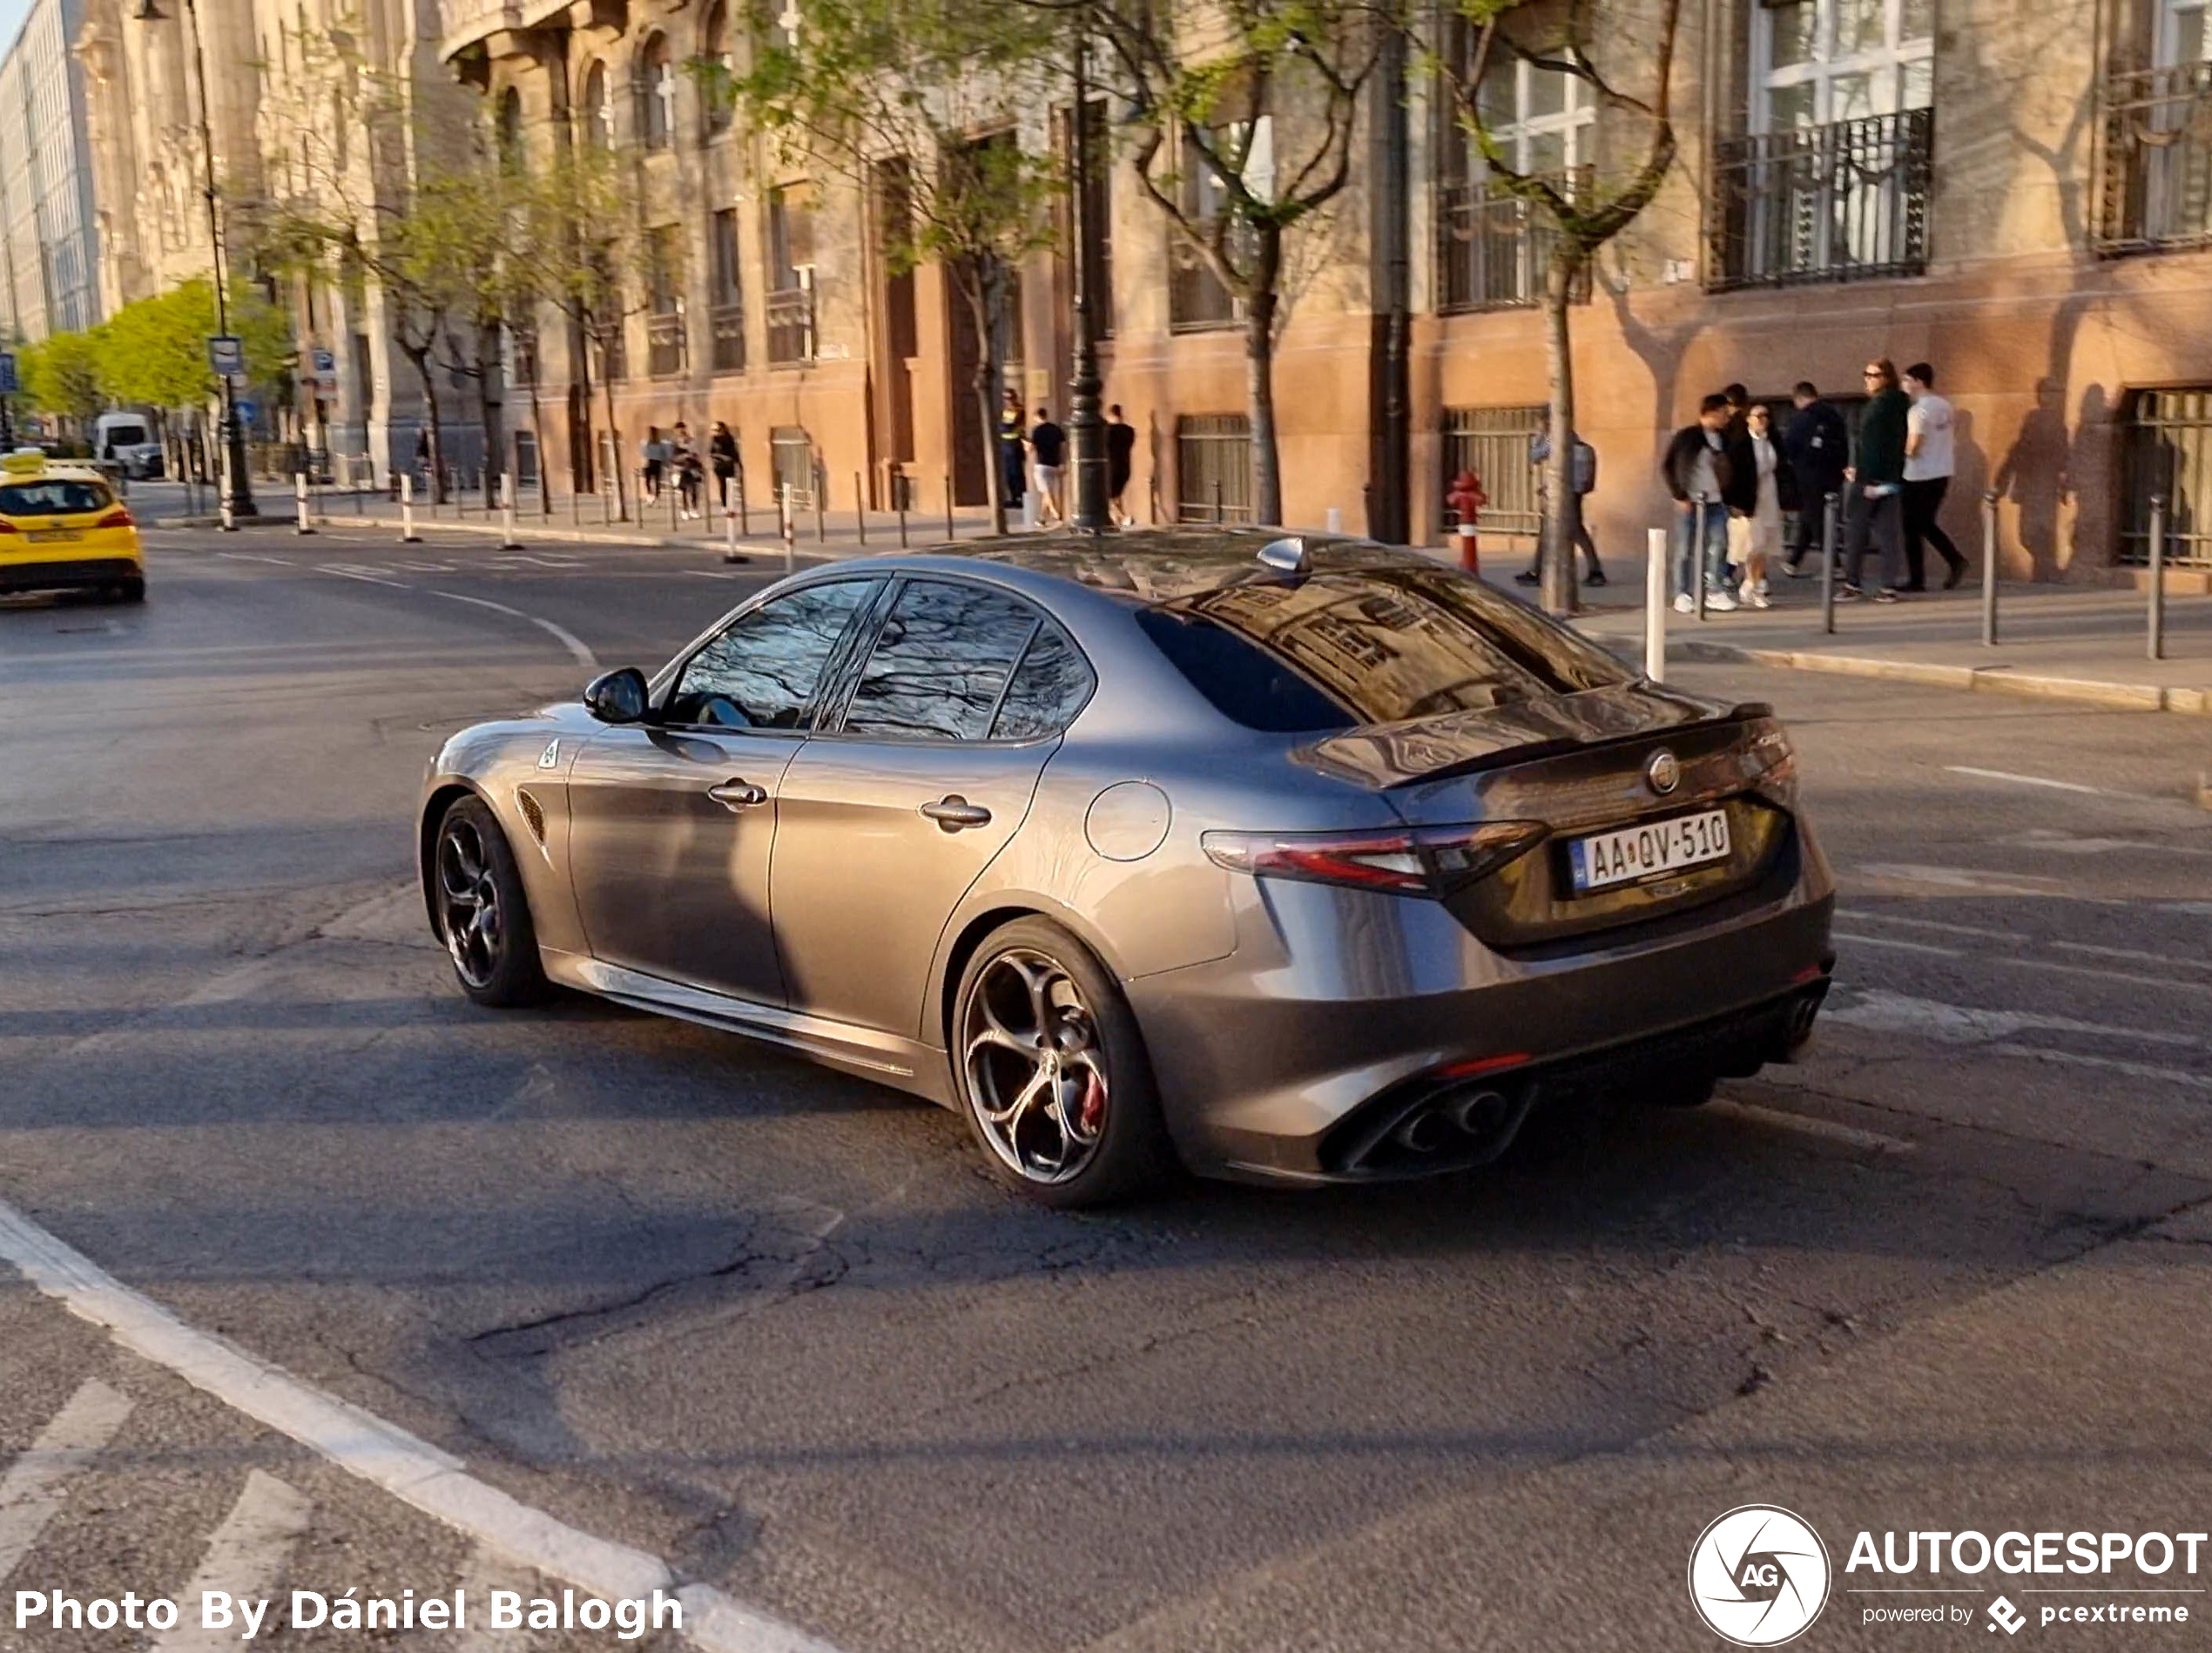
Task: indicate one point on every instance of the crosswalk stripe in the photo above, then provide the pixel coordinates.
(246, 1558)
(37, 1482)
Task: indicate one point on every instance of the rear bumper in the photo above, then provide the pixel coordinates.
(1341, 1006)
(57, 574)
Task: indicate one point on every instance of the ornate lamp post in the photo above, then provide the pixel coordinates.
(1086, 432)
(240, 495)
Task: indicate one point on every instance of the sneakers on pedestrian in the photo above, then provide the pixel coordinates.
(1596, 576)
(1529, 577)
(1886, 595)
(1760, 587)
(1754, 597)
(1798, 571)
(1721, 601)
(1958, 573)
(1848, 594)
(1685, 604)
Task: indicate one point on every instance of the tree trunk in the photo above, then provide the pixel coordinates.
(427, 375)
(990, 376)
(1259, 375)
(614, 442)
(489, 401)
(1558, 544)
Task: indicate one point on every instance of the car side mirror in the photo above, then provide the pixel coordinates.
(619, 697)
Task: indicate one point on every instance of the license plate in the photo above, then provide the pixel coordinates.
(47, 536)
(1647, 851)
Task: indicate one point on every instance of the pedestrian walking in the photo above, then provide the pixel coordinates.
(1928, 466)
(1696, 471)
(1759, 489)
(1817, 444)
(1013, 453)
(1582, 476)
(690, 474)
(652, 461)
(1049, 444)
(1121, 455)
(422, 453)
(1875, 503)
(722, 454)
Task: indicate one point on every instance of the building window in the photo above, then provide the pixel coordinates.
(2169, 452)
(727, 317)
(510, 132)
(791, 460)
(718, 66)
(1196, 299)
(1494, 443)
(598, 110)
(2157, 181)
(791, 276)
(666, 352)
(1831, 182)
(656, 93)
(1213, 468)
(1492, 248)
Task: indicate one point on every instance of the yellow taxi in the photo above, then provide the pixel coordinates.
(63, 529)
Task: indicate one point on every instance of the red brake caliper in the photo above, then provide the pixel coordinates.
(1093, 1113)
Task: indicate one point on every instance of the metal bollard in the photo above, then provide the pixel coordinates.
(1336, 519)
(1699, 551)
(1655, 605)
(1989, 569)
(506, 510)
(408, 536)
(745, 510)
(902, 519)
(1219, 519)
(784, 517)
(223, 499)
(730, 552)
(2157, 640)
(822, 530)
(949, 534)
(300, 502)
(859, 508)
(672, 494)
(1830, 512)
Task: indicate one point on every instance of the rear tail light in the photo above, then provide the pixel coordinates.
(115, 518)
(1769, 765)
(7, 527)
(1419, 860)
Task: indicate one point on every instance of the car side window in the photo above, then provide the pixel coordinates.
(1052, 683)
(940, 663)
(761, 671)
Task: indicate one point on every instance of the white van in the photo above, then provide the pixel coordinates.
(126, 439)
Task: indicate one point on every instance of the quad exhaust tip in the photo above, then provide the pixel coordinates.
(1474, 1124)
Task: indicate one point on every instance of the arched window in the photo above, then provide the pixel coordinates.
(656, 93)
(511, 131)
(598, 110)
(720, 66)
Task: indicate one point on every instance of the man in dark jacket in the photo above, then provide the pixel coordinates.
(1696, 471)
(1874, 508)
(1817, 447)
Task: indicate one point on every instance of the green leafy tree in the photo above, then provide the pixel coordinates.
(916, 106)
(1624, 52)
(62, 375)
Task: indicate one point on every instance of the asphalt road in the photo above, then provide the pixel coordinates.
(773, 1325)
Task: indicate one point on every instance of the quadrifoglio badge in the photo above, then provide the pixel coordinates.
(1759, 1576)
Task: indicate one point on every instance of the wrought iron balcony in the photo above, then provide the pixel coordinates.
(1845, 202)
(2156, 187)
(1491, 249)
(791, 326)
(727, 322)
(666, 354)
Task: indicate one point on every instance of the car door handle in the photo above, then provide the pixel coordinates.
(953, 812)
(738, 793)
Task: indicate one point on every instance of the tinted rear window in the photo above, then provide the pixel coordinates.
(1334, 651)
(58, 496)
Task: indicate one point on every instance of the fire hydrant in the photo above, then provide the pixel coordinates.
(1467, 500)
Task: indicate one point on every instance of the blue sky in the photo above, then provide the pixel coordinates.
(12, 12)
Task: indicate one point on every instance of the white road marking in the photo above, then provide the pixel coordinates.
(1859, 915)
(577, 648)
(1951, 880)
(2112, 1064)
(246, 1558)
(344, 573)
(35, 1483)
(1879, 1010)
(1806, 1125)
(709, 574)
(2139, 956)
(248, 556)
(363, 1445)
(2041, 781)
(2126, 976)
(1901, 947)
(2071, 844)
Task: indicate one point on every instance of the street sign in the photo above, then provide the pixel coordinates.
(226, 352)
(245, 410)
(326, 364)
(9, 385)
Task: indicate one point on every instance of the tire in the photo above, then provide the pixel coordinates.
(483, 915)
(131, 591)
(1082, 1126)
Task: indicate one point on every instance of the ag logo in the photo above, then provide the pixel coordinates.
(1759, 1576)
(1664, 774)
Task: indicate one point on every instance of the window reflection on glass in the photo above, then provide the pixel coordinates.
(1792, 108)
(1919, 20)
(1050, 687)
(1919, 84)
(1850, 96)
(938, 665)
(1795, 26)
(762, 671)
(1861, 25)
(1830, 61)
(1547, 93)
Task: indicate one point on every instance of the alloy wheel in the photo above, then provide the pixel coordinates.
(1035, 1070)
(468, 901)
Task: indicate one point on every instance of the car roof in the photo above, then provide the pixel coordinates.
(1159, 565)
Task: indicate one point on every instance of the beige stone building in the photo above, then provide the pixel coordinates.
(2021, 195)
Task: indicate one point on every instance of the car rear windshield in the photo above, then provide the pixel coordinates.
(57, 496)
(1336, 651)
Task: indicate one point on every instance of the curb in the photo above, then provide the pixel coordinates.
(2127, 697)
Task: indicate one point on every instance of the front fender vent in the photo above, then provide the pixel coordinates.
(533, 812)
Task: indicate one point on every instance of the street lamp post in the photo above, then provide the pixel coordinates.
(1086, 432)
(240, 488)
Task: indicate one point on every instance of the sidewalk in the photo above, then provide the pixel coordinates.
(2064, 642)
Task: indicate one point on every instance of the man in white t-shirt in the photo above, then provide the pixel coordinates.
(1928, 465)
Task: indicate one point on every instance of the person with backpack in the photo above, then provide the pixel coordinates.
(1583, 467)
